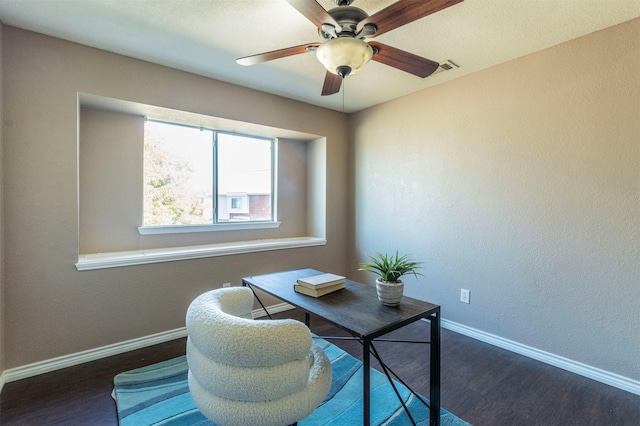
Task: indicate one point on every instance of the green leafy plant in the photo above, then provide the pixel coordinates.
(391, 267)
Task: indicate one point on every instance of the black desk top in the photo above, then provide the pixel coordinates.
(354, 308)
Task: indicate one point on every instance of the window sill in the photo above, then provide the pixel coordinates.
(87, 262)
(229, 226)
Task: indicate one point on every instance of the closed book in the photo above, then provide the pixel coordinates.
(320, 281)
(317, 292)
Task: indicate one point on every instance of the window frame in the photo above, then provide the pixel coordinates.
(216, 225)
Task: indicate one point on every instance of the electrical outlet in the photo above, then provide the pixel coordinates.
(465, 295)
(226, 285)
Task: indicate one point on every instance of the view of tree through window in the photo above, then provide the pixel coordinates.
(180, 183)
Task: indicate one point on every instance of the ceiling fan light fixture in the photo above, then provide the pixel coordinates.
(344, 55)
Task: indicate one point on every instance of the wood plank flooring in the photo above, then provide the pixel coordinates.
(482, 384)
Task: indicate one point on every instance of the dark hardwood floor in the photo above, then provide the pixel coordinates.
(482, 384)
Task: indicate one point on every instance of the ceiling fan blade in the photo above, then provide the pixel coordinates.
(312, 10)
(402, 60)
(403, 12)
(332, 83)
(276, 54)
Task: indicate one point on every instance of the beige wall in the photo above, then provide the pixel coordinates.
(522, 184)
(2, 316)
(51, 308)
(111, 190)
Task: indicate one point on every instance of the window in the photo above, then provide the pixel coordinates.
(200, 176)
(236, 203)
(112, 197)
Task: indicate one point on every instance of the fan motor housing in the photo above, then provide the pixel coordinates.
(348, 18)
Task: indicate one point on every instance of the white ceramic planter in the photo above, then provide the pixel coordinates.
(389, 292)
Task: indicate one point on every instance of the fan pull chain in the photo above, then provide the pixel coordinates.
(343, 90)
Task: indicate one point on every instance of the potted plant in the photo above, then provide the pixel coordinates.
(389, 269)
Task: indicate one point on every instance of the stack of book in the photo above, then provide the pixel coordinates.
(319, 285)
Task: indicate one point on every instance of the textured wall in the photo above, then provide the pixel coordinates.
(2, 316)
(522, 184)
(51, 308)
(111, 190)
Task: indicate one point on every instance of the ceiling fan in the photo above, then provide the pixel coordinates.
(342, 48)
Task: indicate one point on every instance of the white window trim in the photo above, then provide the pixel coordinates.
(87, 262)
(227, 226)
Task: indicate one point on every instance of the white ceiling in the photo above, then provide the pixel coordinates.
(206, 36)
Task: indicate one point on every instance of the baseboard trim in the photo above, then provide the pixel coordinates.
(77, 358)
(602, 376)
(58, 363)
(70, 360)
(273, 309)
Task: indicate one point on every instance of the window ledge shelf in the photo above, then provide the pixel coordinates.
(87, 262)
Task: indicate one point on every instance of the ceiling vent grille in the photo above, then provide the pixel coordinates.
(447, 65)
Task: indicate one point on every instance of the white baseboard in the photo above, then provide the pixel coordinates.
(77, 358)
(70, 360)
(606, 377)
(47, 366)
(273, 309)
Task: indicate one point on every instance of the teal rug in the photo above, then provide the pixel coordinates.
(159, 395)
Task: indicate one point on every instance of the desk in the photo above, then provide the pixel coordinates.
(356, 309)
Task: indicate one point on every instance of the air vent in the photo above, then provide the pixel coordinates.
(447, 65)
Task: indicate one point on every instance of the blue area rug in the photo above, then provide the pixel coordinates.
(159, 395)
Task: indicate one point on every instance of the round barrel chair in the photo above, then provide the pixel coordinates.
(251, 372)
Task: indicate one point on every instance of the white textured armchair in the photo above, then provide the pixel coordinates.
(245, 372)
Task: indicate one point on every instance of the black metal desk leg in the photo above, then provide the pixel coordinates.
(434, 385)
(366, 383)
